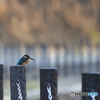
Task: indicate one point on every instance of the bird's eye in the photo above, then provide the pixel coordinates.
(25, 57)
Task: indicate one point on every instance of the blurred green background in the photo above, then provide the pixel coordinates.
(63, 34)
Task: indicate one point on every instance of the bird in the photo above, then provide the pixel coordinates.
(24, 60)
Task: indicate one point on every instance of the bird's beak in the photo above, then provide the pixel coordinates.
(32, 59)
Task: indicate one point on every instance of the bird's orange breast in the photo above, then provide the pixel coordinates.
(25, 62)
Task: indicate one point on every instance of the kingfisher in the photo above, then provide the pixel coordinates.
(24, 60)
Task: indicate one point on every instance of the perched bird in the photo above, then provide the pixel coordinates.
(24, 60)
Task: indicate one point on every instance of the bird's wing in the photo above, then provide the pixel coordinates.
(21, 61)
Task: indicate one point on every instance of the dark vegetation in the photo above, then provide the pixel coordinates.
(49, 21)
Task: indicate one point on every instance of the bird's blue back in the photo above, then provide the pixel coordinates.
(18, 60)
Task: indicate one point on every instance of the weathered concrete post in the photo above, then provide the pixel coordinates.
(48, 84)
(1, 81)
(18, 82)
(91, 83)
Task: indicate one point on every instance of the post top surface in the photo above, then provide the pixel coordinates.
(49, 68)
(91, 73)
(18, 66)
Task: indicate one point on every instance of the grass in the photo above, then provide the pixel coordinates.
(6, 87)
(30, 84)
